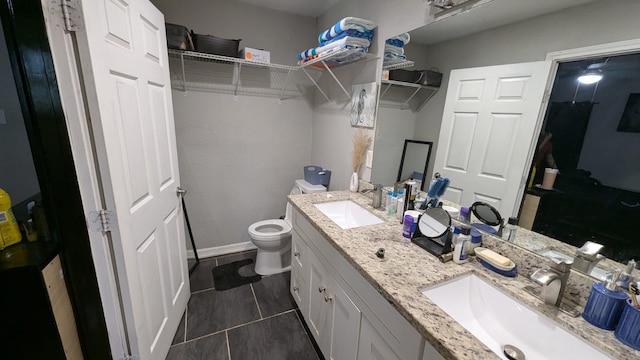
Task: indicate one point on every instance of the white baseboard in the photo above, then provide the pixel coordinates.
(221, 250)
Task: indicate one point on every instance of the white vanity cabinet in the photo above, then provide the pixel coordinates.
(348, 318)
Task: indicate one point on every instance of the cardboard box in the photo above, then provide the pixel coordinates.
(259, 55)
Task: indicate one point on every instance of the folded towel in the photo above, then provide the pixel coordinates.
(391, 58)
(347, 23)
(393, 49)
(348, 40)
(394, 42)
(354, 53)
(353, 33)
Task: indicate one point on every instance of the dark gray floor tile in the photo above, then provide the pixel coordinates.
(179, 336)
(272, 293)
(225, 259)
(247, 270)
(209, 347)
(201, 278)
(210, 311)
(278, 337)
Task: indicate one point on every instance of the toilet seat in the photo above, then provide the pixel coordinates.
(273, 229)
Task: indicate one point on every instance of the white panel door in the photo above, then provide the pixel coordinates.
(488, 129)
(123, 55)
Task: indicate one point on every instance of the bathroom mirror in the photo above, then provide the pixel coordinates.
(414, 161)
(449, 45)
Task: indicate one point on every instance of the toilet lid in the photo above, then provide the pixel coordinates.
(269, 229)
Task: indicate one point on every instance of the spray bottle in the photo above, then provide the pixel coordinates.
(9, 231)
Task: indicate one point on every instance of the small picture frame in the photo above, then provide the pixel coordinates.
(363, 105)
(630, 120)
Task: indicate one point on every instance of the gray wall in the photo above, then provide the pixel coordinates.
(239, 158)
(332, 134)
(17, 172)
(529, 40)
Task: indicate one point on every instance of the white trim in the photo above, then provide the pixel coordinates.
(71, 97)
(614, 48)
(222, 250)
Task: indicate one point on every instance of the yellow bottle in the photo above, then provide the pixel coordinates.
(9, 231)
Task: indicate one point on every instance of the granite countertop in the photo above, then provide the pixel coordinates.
(407, 269)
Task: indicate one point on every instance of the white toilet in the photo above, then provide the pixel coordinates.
(273, 237)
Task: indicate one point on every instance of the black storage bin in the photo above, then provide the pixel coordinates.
(214, 45)
(178, 37)
(422, 77)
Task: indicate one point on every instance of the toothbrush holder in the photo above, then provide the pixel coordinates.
(627, 330)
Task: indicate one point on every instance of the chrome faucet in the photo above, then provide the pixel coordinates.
(553, 278)
(587, 257)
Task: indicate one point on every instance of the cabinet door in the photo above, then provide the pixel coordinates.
(372, 345)
(320, 311)
(299, 273)
(345, 324)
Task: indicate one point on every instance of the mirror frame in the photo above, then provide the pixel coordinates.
(426, 163)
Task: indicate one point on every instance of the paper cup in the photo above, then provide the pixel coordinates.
(549, 178)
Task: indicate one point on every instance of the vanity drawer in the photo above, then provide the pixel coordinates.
(298, 251)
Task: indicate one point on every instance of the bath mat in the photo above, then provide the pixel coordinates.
(227, 277)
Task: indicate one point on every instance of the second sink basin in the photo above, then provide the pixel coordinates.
(348, 214)
(497, 319)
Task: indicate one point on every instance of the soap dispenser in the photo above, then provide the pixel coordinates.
(605, 303)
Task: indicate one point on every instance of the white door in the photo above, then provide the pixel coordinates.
(372, 346)
(123, 56)
(488, 127)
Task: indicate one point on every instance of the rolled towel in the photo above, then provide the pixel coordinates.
(404, 37)
(347, 23)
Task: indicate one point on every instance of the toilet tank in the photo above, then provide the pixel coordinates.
(307, 188)
(302, 187)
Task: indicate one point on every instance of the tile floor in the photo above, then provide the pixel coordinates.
(258, 321)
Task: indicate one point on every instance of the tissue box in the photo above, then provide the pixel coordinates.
(259, 55)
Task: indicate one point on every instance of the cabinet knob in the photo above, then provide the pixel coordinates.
(296, 289)
(322, 289)
(296, 254)
(327, 298)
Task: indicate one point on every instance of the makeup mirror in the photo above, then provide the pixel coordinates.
(489, 216)
(432, 232)
(434, 223)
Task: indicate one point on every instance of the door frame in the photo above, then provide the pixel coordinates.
(37, 86)
(556, 57)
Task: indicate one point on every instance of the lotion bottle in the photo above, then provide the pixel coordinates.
(460, 253)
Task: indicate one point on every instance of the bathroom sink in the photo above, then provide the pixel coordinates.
(497, 320)
(596, 272)
(348, 214)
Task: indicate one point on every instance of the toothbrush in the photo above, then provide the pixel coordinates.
(633, 289)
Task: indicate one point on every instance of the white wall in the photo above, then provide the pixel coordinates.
(17, 172)
(239, 158)
(529, 40)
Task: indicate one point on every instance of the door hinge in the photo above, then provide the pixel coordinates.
(103, 220)
(71, 14)
(130, 357)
